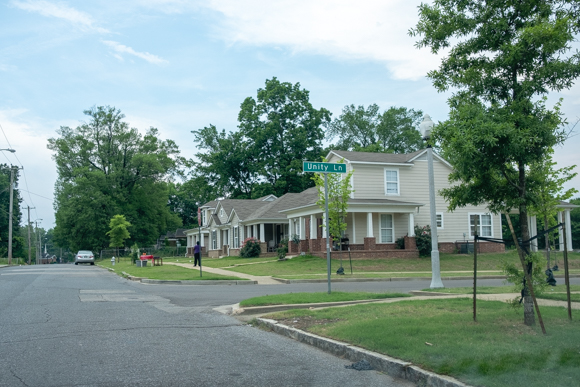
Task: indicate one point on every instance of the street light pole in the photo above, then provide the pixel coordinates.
(426, 127)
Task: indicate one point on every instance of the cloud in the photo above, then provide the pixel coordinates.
(60, 11)
(342, 29)
(122, 49)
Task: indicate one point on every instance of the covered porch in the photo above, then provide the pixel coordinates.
(373, 226)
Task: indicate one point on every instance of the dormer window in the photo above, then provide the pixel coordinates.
(221, 212)
(391, 182)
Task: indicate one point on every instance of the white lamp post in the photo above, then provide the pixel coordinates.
(426, 127)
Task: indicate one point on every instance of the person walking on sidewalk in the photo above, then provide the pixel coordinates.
(197, 254)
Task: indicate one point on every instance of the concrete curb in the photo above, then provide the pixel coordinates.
(389, 365)
(197, 282)
(253, 310)
(183, 282)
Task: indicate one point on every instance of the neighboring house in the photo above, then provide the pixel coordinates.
(390, 197)
(173, 238)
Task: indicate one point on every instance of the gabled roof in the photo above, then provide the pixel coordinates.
(211, 204)
(370, 157)
(383, 158)
(285, 202)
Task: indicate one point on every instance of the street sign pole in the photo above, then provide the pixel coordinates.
(325, 168)
(327, 229)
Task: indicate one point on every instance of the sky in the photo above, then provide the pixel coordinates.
(181, 65)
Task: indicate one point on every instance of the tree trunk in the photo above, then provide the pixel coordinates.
(547, 239)
(529, 317)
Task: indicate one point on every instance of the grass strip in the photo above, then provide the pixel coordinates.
(309, 298)
(440, 335)
(165, 272)
(500, 290)
(311, 265)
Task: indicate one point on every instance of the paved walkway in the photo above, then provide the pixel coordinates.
(261, 280)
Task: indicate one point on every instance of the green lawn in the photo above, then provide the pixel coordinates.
(223, 262)
(165, 272)
(307, 298)
(306, 266)
(498, 350)
(503, 289)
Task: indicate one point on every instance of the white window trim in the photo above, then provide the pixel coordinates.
(221, 212)
(442, 221)
(479, 223)
(214, 239)
(236, 235)
(393, 228)
(398, 181)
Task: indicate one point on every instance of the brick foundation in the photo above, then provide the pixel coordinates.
(366, 254)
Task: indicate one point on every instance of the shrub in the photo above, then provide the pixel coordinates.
(400, 243)
(250, 248)
(134, 252)
(423, 239)
(283, 249)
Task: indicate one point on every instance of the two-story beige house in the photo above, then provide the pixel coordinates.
(390, 198)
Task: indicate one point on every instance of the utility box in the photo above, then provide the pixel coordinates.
(140, 263)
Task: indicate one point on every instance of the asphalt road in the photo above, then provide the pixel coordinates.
(66, 325)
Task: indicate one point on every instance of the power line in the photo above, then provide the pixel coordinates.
(32, 193)
(23, 173)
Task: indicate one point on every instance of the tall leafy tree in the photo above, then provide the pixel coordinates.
(398, 130)
(369, 130)
(283, 129)
(106, 168)
(355, 127)
(504, 58)
(227, 161)
(5, 210)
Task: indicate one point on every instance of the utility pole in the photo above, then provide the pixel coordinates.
(10, 214)
(29, 226)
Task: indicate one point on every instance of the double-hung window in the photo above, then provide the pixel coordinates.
(214, 240)
(484, 225)
(386, 228)
(391, 182)
(440, 220)
(236, 237)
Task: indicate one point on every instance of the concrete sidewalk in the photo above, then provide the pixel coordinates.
(261, 280)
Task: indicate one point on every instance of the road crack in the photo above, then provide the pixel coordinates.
(17, 377)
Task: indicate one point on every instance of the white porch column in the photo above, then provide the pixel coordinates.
(254, 231)
(201, 241)
(262, 233)
(290, 227)
(568, 230)
(411, 230)
(369, 225)
(313, 231)
(560, 231)
(533, 227)
(302, 228)
(353, 238)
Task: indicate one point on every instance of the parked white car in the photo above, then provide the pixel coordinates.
(85, 256)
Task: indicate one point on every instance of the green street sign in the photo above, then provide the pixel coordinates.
(311, 166)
